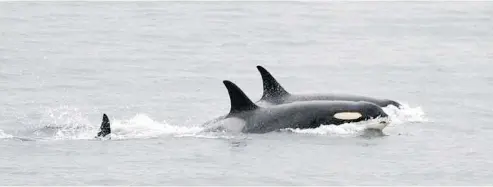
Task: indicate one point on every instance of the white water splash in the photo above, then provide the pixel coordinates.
(142, 126)
(63, 115)
(70, 123)
(405, 114)
(347, 129)
(342, 130)
(4, 135)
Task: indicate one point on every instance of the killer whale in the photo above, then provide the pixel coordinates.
(105, 128)
(247, 117)
(274, 93)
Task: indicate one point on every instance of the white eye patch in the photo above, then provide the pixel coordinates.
(347, 115)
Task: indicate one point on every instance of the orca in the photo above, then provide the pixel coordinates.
(247, 117)
(274, 93)
(105, 128)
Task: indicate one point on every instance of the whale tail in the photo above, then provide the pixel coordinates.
(272, 88)
(239, 101)
(105, 128)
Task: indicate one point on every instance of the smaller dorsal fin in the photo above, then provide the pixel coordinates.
(105, 128)
(271, 87)
(239, 101)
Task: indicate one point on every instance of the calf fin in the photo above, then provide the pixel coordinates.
(105, 128)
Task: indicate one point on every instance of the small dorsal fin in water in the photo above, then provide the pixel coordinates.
(272, 88)
(105, 128)
(239, 101)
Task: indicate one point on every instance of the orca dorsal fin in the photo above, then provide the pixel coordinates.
(239, 101)
(271, 87)
(105, 128)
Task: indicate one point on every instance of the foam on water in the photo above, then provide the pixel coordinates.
(142, 126)
(70, 123)
(405, 114)
(4, 135)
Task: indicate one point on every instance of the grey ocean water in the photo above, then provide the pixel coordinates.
(156, 69)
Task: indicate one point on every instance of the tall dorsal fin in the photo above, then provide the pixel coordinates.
(271, 87)
(239, 101)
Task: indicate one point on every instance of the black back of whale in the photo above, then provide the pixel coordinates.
(274, 93)
(309, 114)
